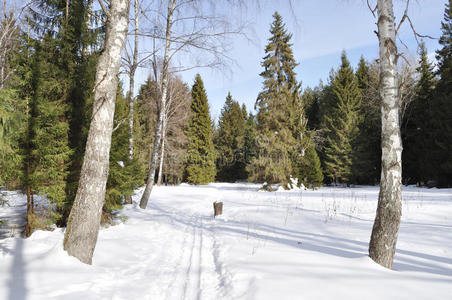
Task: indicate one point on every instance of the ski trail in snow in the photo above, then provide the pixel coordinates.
(198, 273)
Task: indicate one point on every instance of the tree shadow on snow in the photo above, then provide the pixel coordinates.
(17, 283)
(405, 260)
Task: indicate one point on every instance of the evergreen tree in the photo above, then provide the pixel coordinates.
(12, 106)
(310, 168)
(69, 64)
(282, 138)
(249, 145)
(311, 98)
(230, 141)
(342, 124)
(441, 151)
(200, 167)
(124, 175)
(49, 152)
(417, 134)
(367, 158)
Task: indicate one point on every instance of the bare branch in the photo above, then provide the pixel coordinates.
(372, 10)
(119, 124)
(104, 9)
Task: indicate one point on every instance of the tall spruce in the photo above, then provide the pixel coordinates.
(13, 85)
(281, 123)
(81, 39)
(367, 159)
(441, 152)
(50, 150)
(62, 29)
(200, 165)
(230, 141)
(342, 124)
(417, 133)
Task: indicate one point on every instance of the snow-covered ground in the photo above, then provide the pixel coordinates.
(280, 245)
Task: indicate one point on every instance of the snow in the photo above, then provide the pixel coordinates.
(297, 244)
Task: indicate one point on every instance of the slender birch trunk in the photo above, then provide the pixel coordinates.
(132, 80)
(164, 89)
(162, 153)
(387, 221)
(133, 68)
(84, 220)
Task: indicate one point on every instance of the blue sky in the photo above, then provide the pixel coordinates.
(321, 30)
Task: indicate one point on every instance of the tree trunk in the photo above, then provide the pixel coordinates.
(158, 134)
(387, 221)
(128, 199)
(84, 220)
(132, 81)
(162, 152)
(30, 212)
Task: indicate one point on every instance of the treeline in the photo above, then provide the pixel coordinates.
(329, 134)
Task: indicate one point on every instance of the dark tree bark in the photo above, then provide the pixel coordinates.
(84, 220)
(387, 221)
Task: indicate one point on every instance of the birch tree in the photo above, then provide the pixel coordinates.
(132, 63)
(385, 230)
(164, 89)
(83, 224)
(186, 28)
(387, 221)
(176, 112)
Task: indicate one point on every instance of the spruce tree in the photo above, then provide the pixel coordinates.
(200, 167)
(342, 124)
(367, 158)
(441, 151)
(417, 134)
(48, 130)
(230, 140)
(249, 145)
(282, 138)
(65, 26)
(125, 175)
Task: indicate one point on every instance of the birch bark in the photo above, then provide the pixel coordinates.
(164, 88)
(387, 221)
(83, 224)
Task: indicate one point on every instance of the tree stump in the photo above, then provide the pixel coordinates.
(217, 208)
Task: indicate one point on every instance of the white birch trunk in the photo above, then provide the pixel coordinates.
(386, 226)
(158, 136)
(162, 153)
(132, 80)
(133, 68)
(84, 220)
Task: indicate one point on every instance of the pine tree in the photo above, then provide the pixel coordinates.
(342, 124)
(230, 140)
(441, 151)
(200, 167)
(417, 134)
